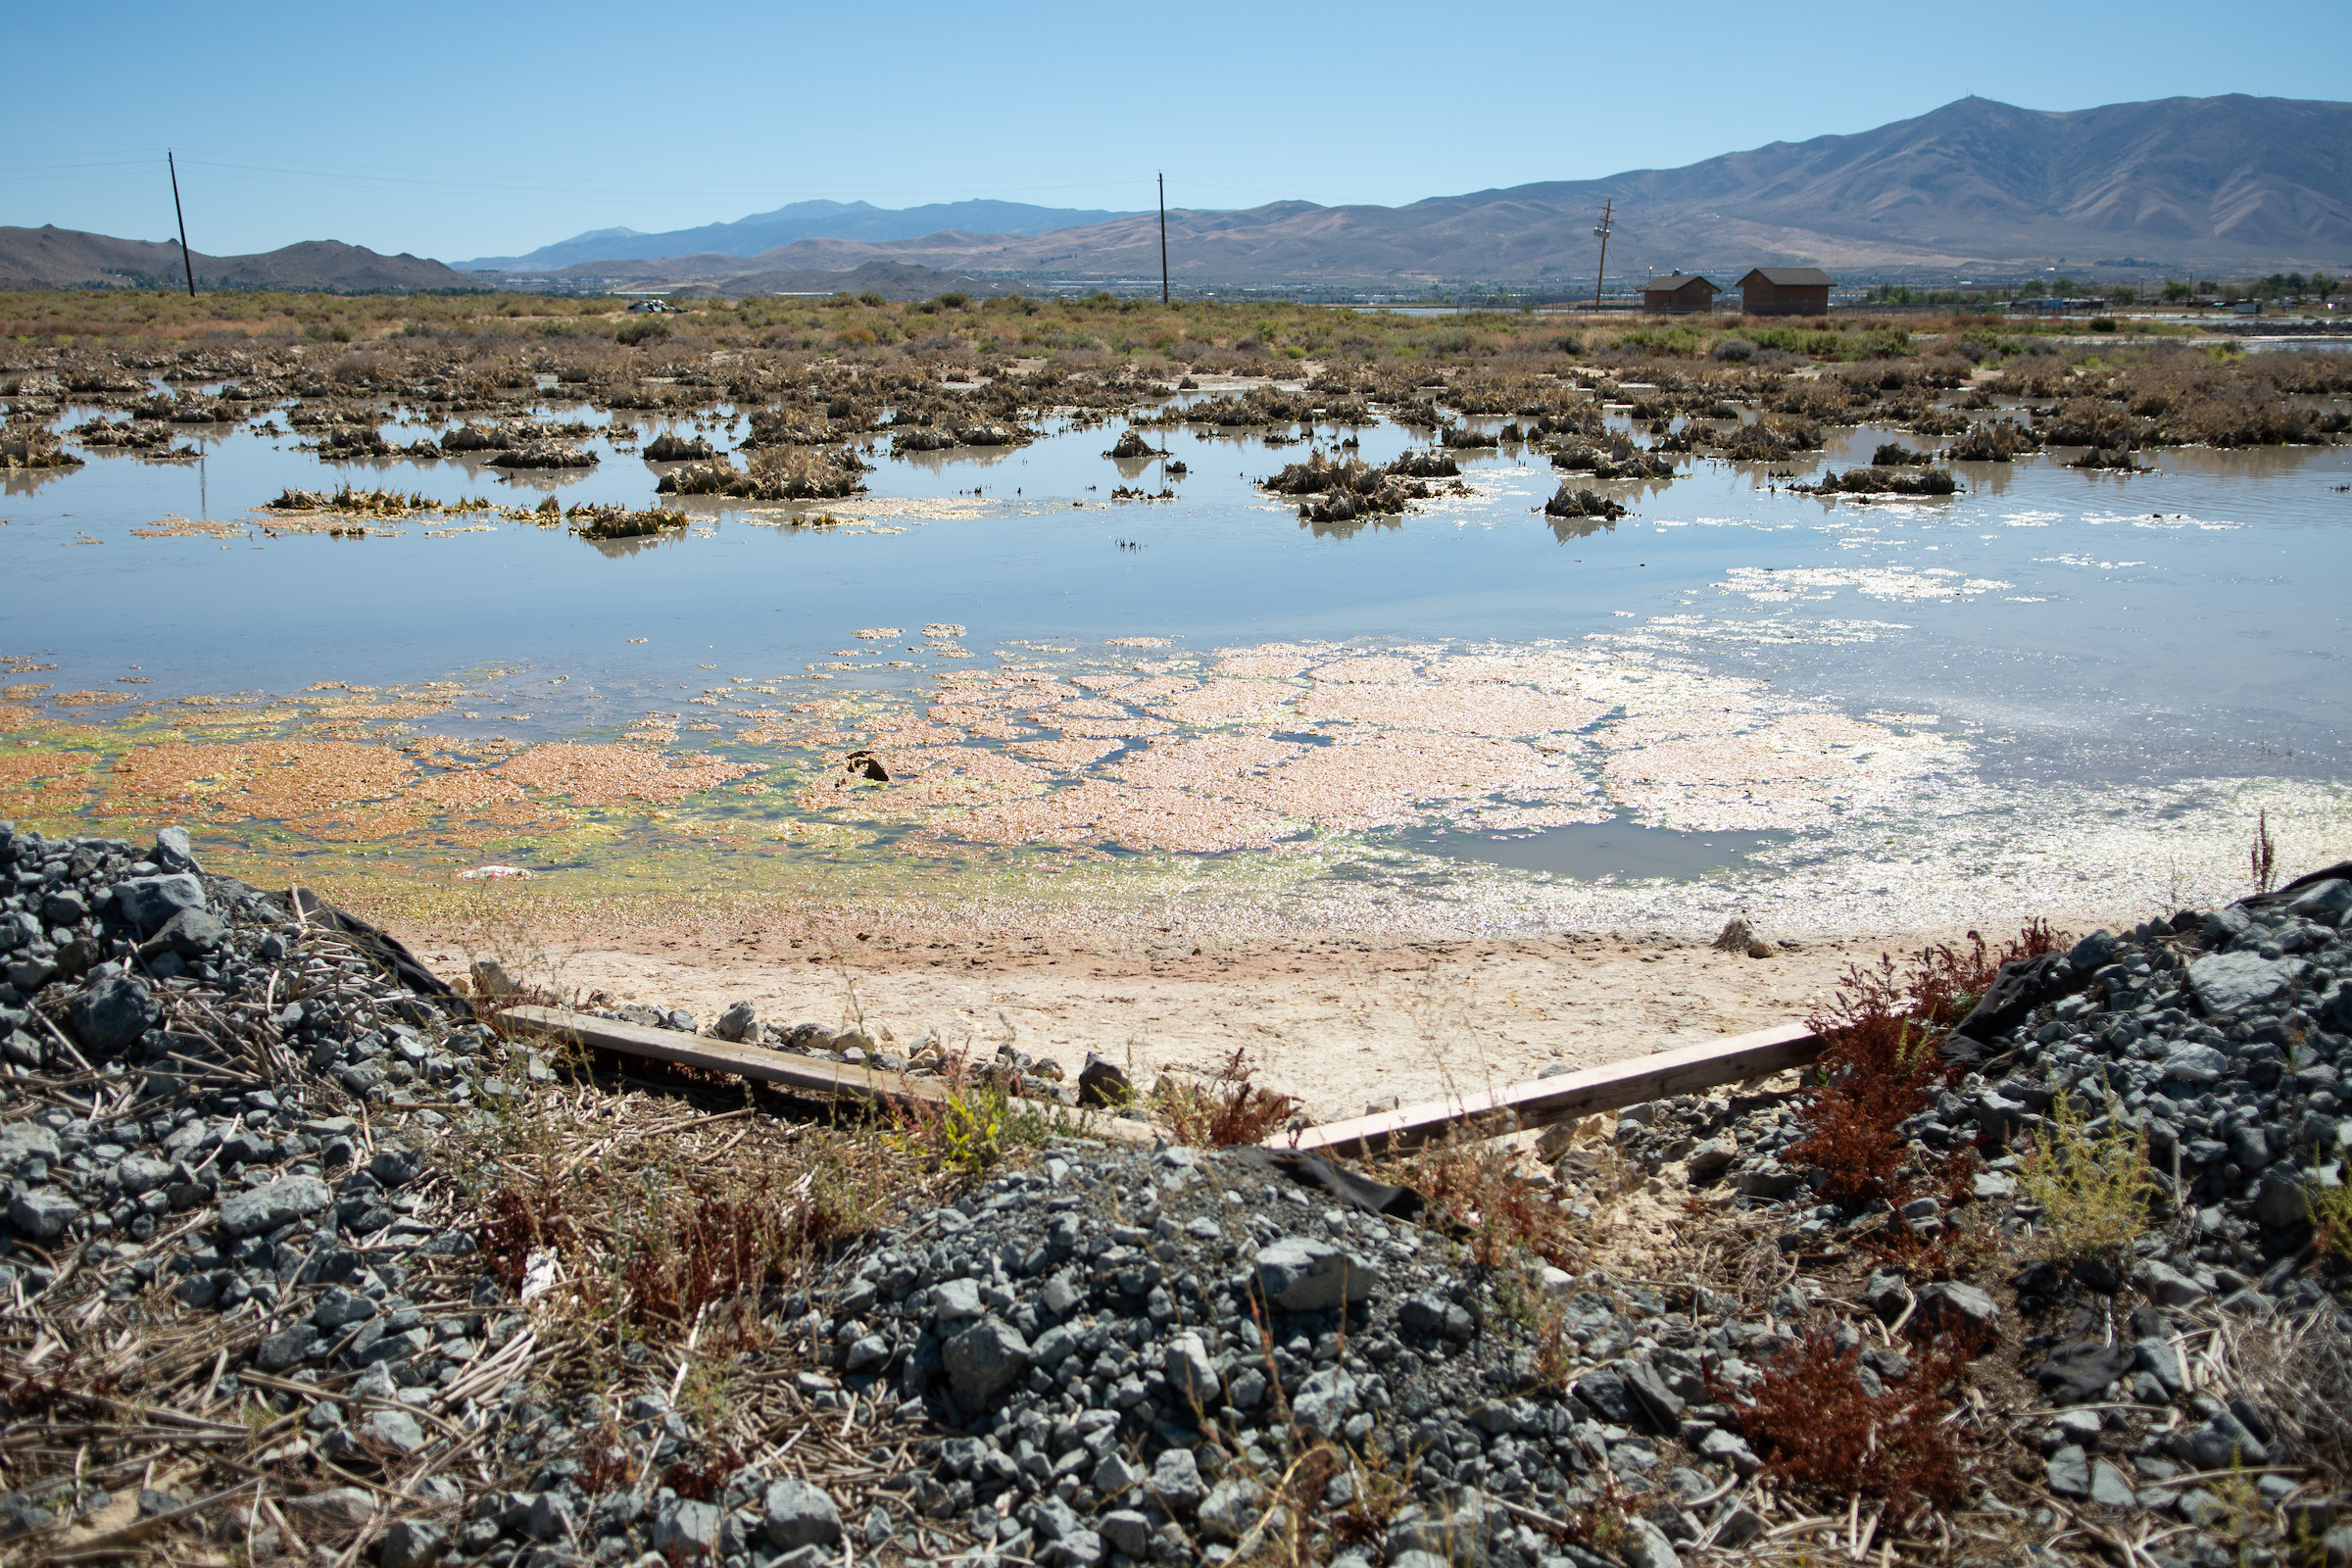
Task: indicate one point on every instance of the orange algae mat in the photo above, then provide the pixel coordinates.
(1283, 746)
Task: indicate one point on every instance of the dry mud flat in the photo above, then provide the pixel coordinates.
(1341, 1025)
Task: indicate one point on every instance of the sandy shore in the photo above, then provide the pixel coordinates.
(1340, 1023)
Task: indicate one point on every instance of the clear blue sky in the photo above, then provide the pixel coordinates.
(459, 131)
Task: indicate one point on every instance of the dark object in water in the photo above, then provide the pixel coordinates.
(867, 766)
(1583, 504)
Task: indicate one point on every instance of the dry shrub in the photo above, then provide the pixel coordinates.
(709, 1253)
(1228, 1109)
(1818, 1430)
(1472, 1189)
(1879, 1063)
(2298, 1371)
(522, 1218)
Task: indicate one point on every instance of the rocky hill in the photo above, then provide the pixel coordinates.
(50, 257)
(766, 231)
(2229, 183)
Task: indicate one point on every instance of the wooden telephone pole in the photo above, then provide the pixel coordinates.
(185, 259)
(1163, 240)
(1607, 211)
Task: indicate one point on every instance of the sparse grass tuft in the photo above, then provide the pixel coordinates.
(2092, 1191)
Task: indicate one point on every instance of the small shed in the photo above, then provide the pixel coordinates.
(1679, 293)
(1786, 291)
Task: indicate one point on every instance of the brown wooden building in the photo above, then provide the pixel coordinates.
(1679, 293)
(1786, 291)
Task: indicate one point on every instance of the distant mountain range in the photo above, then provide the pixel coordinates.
(2232, 183)
(68, 258)
(766, 231)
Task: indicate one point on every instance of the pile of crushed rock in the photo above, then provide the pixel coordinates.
(1126, 1355)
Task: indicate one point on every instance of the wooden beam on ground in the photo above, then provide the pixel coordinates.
(1495, 1112)
(804, 1074)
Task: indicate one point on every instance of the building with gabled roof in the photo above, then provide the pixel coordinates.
(1786, 291)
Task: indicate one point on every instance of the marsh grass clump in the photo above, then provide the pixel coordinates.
(620, 523)
(28, 443)
(1876, 481)
(1620, 459)
(1576, 503)
(1992, 441)
(1771, 440)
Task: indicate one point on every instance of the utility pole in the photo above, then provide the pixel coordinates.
(1163, 238)
(1607, 211)
(185, 259)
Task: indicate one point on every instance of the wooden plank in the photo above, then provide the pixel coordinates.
(804, 1074)
(1729, 1061)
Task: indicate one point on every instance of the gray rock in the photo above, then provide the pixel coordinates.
(141, 1173)
(1127, 1530)
(189, 933)
(2110, 1488)
(1729, 1448)
(173, 851)
(741, 1021)
(147, 902)
(2327, 902)
(393, 1166)
(955, 1302)
(2161, 1359)
(1103, 1082)
(1300, 1274)
(285, 1349)
(1325, 1401)
(2092, 951)
(800, 1513)
(109, 1015)
(410, 1543)
(688, 1528)
(1605, 1392)
(397, 1428)
(1964, 1301)
(21, 1140)
(2195, 1064)
(42, 1214)
(1191, 1372)
(2167, 1285)
(1713, 1157)
(1231, 1508)
(1115, 1476)
(281, 1202)
(1741, 1525)
(2069, 1472)
(983, 1360)
(1176, 1481)
(551, 1518)
(1429, 1313)
(2282, 1203)
(2232, 982)
(1645, 1545)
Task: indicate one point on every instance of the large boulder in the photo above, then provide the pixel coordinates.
(147, 902)
(113, 1011)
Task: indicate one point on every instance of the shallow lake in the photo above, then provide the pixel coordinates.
(2058, 689)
